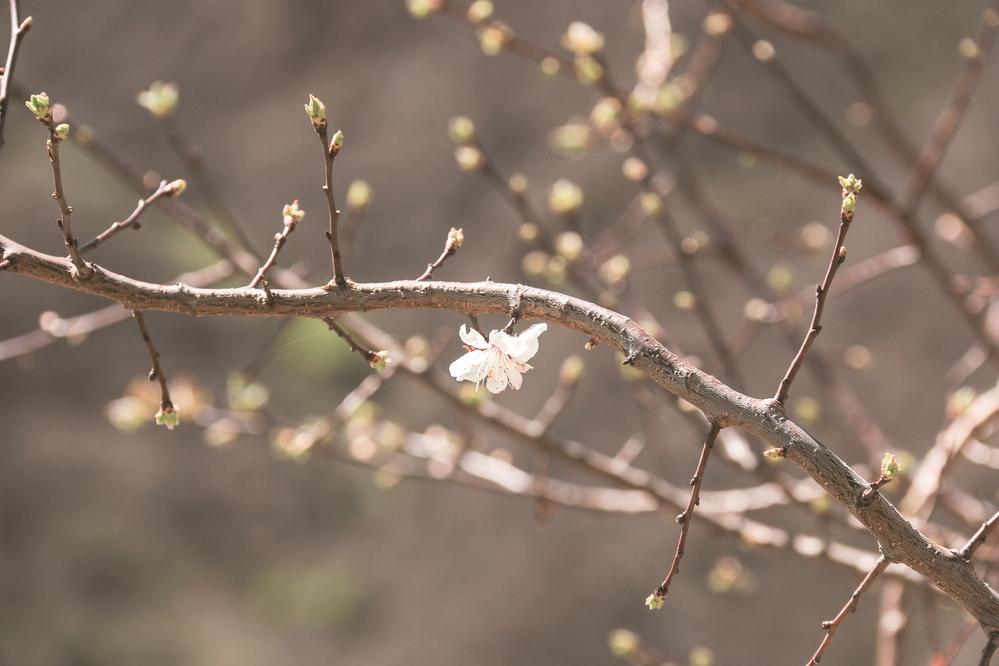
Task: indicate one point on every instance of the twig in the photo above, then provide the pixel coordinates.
(170, 189)
(452, 243)
(156, 373)
(980, 537)
(65, 210)
(371, 357)
(330, 149)
(291, 215)
(18, 29)
(821, 291)
(656, 599)
(990, 649)
(830, 626)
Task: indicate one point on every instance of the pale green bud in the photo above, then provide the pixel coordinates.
(469, 158)
(61, 131)
(316, 111)
(480, 11)
(850, 184)
(581, 39)
(461, 129)
(358, 195)
(419, 9)
(175, 188)
(39, 105)
(292, 214)
(588, 70)
(336, 143)
(168, 416)
(655, 601)
(455, 237)
(890, 466)
(565, 197)
(160, 100)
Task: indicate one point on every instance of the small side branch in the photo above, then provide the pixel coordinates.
(171, 189)
(18, 29)
(378, 360)
(316, 111)
(657, 598)
(830, 626)
(455, 238)
(292, 214)
(980, 537)
(851, 186)
(167, 415)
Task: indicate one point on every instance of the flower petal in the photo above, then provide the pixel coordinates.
(513, 369)
(527, 343)
(496, 380)
(472, 338)
(471, 367)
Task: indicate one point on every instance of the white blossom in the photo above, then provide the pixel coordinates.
(500, 361)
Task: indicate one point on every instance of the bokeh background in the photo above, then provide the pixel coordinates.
(157, 548)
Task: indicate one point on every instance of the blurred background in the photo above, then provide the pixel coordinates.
(159, 547)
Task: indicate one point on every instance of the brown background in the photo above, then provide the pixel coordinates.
(157, 549)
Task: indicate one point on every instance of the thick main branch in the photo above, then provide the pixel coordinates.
(899, 540)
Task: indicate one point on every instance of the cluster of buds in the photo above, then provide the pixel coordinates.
(851, 187)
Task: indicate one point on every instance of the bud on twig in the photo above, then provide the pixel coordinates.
(316, 111)
(39, 106)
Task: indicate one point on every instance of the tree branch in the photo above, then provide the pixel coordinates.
(18, 29)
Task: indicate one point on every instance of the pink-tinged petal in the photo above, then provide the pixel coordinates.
(472, 338)
(471, 367)
(527, 343)
(496, 380)
(513, 369)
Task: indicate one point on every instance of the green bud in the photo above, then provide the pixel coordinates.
(565, 197)
(292, 214)
(336, 143)
(455, 238)
(39, 105)
(160, 100)
(175, 188)
(480, 11)
(623, 642)
(469, 158)
(316, 111)
(461, 129)
(849, 204)
(588, 70)
(168, 416)
(890, 467)
(493, 38)
(61, 131)
(850, 184)
(581, 39)
(358, 195)
(419, 9)
(655, 601)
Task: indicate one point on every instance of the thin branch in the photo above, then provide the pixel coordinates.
(454, 239)
(170, 189)
(65, 210)
(980, 537)
(330, 150)
(18, 29)
(156, 373)
(831, 626)
(370, 357)
(990, 649)
(291, 215)
(837, 257)
(684, 519)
